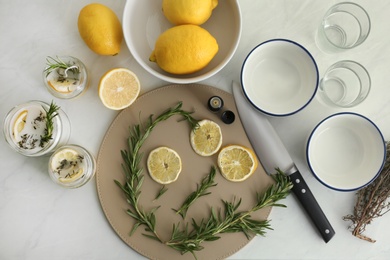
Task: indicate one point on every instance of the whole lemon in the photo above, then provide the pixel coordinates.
(188, 11)
(100, 29)
(184, 49)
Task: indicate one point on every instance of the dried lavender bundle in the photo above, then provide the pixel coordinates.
(372, 201)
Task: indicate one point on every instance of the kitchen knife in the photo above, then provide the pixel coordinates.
(272, 154)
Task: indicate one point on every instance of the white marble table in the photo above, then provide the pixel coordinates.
(39, 220)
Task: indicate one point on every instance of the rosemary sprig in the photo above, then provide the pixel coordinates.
(231, 221)
(186, 240)
(201, 190)
(372, 201)
(161, 192)
(55, 64)
(51, 113)
(133, 172)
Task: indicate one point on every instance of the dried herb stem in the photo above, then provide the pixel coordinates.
(371, 202)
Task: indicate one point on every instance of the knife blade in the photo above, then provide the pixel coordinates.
(272, 154)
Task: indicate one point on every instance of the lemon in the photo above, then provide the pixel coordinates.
(64, 87)
(236, 162)
(100, 29)
(164, 165)
(207, 138)
(67, 164)
(20, 123)
(75, 175)
(188, 11)
(119, 88)
(184, 49)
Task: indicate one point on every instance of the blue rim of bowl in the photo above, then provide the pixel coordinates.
(267, 112)
(373, 178)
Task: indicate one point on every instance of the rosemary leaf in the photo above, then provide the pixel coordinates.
(207, 182)
(161, 192)
(55, 64)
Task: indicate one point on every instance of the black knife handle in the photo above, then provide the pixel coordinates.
(310, 204)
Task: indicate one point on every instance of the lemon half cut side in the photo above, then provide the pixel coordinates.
(119, 88)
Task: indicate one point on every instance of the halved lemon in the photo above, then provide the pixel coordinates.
(237, 163)
(164, 165)
(19, 123)
(119, 88)
(206, 140)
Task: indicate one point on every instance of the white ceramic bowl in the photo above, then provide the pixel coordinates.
(279, 77)
(143, 21)
(346, 151)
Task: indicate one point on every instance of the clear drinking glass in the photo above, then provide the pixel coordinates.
(72, 166)
(25, 124)
(345, 84)
(65, 77)
(344, 26)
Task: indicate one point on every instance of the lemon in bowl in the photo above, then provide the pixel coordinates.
(144, 21)
(188, 12)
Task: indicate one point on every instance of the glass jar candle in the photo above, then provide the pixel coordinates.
(65, 77)
(27, 131)
(71, 166)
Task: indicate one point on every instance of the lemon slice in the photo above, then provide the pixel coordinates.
(64, 87)
(72, 177)
(67, 164)
(19, 123)
(207, 138)
(237, 163)
(119, 88)
(164, 165)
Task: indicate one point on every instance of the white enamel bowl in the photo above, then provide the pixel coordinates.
(346, 151)
(143, 22)
(279, 77)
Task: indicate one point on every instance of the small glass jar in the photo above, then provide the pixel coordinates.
(65, 77)
(25, 125)
(71, 166)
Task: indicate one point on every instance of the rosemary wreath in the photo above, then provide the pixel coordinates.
(226, 220)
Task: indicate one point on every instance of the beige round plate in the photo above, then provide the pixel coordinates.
(175, 135)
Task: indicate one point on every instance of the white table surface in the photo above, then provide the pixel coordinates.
(39, 220)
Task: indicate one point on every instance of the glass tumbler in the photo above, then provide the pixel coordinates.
(344, 26)
(345, 84)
